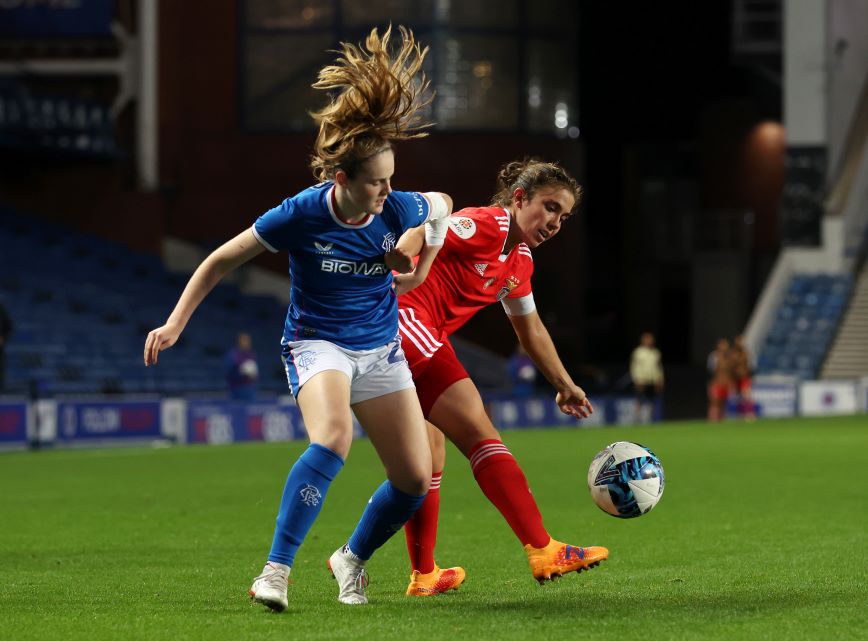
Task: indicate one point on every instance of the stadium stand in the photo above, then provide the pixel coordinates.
(805, 325)
(82, 307)
(848, 357)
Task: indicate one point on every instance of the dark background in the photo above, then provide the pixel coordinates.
(668, 115)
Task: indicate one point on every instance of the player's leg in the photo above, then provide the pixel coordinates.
(396, 428)
(460, 414)
(323, 395)
(384, 400)
(426, 577)
(712, 401)
(748, 409)
(418, 531)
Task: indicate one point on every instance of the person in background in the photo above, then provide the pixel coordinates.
(646, 370)
(741, 374)
(242, 372)
(522, 373)
(721, 384)
(5, 333)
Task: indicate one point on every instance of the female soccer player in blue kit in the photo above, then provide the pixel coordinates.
(340, 340)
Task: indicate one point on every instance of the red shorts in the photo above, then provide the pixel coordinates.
(431, 357)
(744, 386)
(718, 391)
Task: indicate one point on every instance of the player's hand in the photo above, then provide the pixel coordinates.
(398, 260)
(158, 340)
(575, 402)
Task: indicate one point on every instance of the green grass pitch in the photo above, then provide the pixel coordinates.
(762, 533)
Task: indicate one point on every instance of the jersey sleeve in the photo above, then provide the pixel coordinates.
(524, 289)
(410, 209)
(277, 227)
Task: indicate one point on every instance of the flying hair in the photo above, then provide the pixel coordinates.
(378, 101)
(531, 174)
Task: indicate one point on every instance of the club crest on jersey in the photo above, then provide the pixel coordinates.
(480, 267)
(463, 227)
(323, 248)
(388, 242)
(510, 284)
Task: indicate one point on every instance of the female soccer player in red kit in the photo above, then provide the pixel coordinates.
(486, 257)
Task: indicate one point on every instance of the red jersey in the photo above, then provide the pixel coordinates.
(470, 271)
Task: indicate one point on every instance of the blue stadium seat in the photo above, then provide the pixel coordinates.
(76, 332)
(805, 324)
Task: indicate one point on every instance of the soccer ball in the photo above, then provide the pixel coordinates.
(626, 480)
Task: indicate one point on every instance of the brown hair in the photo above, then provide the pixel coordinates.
(530, 174)
(379, 101)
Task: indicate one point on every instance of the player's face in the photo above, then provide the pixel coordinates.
(540, 218)
(373, 182)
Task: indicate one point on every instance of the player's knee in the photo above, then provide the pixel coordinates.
(336, 437)
(475, 434)
(414, 484)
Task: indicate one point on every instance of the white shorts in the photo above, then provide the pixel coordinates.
(372, 372)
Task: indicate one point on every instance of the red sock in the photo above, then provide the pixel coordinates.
(421, 530)
(505, 485)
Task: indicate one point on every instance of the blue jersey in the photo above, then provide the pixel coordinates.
(341, 288)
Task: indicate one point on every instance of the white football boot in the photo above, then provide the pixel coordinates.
(349, 571)
(269, 588)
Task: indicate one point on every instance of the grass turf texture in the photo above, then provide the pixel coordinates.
(761, 534)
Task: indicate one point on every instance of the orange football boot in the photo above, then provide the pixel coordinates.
(435, 582)
(558, 558)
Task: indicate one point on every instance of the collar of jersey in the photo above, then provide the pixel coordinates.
(330, 196)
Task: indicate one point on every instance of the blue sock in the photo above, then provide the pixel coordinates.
(386, 513)
(305, 490)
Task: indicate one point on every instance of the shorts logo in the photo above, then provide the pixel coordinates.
(463, 227)
(323, 248)
(310, 495)
(481, 267)
(388, 242)
(511, 283)
(305, 360)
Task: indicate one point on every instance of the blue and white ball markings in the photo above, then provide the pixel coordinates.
(626, 480)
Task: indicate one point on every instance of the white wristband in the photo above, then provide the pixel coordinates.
(435, 231)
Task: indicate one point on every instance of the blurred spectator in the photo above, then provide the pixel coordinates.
(721, 383)
(646, 370)
(242, 372)
(522, 373)
(5, 333)
(742, 367)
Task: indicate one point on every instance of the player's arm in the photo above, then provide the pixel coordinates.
(413, 240)
(220, 262)
(435, 228)
(535, 339)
